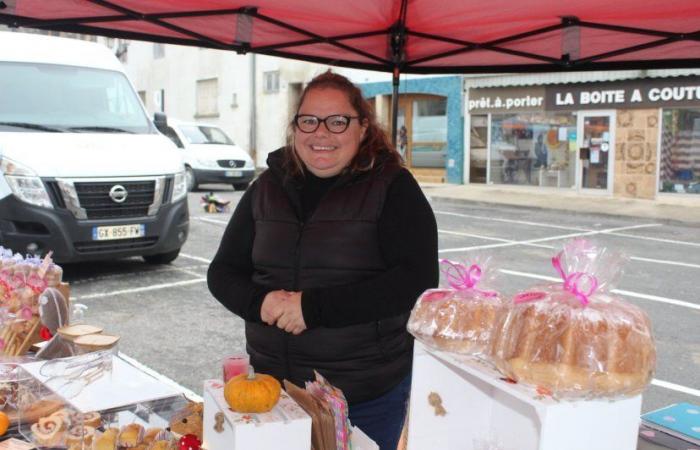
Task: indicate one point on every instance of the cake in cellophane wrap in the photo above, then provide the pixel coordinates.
(576, 338)
(464, 317)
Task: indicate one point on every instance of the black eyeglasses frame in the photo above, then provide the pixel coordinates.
(324, 120)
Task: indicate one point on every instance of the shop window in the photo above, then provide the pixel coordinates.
(271, 82)
(429, 132)
(158, 51)
(536, 149)
(207, 97)
(679, 171)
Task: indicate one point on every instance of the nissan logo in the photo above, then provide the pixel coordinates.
(118, 193)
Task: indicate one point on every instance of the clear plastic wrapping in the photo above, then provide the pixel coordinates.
(464, 317)
(575, 338)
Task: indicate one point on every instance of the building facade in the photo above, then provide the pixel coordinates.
(622, 134)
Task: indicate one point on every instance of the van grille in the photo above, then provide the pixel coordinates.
(94, 198)
(122, 244)
(231, 163)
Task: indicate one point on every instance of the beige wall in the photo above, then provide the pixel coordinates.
(636, 147)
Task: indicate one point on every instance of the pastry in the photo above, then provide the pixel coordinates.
(49, 431)
(40, 408)
(131, 435)
(603, 349)
(90, 419)
(80, 437)
(107, 440)
(457, 321)
(65, 415)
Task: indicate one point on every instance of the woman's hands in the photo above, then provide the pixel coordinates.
(283, 308)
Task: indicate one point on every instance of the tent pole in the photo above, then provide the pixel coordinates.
(394, 105)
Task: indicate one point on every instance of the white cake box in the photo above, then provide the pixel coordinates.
(286, 426)
(484, 412)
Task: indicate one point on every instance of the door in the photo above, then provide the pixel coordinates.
(596, 150)
(421, 135)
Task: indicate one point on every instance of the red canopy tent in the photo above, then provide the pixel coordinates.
(410, 36)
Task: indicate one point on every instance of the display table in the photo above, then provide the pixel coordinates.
(455, 405)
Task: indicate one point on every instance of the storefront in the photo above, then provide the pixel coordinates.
(430, 124)
(633, 138)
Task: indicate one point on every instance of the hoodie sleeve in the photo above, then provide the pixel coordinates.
(230, 273)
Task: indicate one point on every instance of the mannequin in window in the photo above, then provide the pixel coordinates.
(540, 152)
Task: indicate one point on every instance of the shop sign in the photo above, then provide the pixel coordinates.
(506, 100)
(646, 93)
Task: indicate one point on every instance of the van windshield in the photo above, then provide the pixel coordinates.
(52, 97)
(201, 134)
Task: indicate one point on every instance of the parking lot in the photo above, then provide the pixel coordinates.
(169, 322)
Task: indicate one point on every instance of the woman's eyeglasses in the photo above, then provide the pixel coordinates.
(335, 124)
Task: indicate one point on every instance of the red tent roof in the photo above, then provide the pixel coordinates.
(415, 36)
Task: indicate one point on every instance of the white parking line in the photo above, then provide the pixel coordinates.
(547, 239)
(196, 258)
(623, 292)
(667, 241)
(527, 244)
(663, 261)
(676, 387)
(547, 225)
(141, 289)
(206, 219)
(521, 222)
(159, 376)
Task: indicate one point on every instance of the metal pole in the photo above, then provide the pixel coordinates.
(253, 112)
(395, 105)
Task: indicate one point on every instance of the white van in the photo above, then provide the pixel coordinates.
(83, 170)
(210, 155)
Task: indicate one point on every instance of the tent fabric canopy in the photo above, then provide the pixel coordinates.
(407, 36)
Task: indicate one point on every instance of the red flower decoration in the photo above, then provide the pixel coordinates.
(189, 442)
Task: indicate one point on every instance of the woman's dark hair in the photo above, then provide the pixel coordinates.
(375, 147)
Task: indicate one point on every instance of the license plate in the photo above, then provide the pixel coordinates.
(234, 173)
(118, 232)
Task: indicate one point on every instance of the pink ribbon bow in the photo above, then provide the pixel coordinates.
(461, 278)
(576, 281)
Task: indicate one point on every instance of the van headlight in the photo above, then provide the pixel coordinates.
(25, 183)
(179, 187)
(249, 164)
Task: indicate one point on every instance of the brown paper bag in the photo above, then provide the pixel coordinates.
(322, 424)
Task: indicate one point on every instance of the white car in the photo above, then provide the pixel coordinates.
(210, 155)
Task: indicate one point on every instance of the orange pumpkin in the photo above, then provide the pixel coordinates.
(252, 392)
(4, 423)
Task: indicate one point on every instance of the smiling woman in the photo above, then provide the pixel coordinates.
(315, 258)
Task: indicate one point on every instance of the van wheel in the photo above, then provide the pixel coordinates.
(190, 179)
(162, 258)
(240, 186)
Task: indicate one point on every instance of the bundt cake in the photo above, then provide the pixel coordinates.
(457, 321)
(604, 348)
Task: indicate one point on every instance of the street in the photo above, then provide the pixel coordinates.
(169, 322)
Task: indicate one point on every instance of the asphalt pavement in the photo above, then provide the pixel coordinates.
(169, 322)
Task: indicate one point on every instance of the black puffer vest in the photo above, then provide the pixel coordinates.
(338, 245)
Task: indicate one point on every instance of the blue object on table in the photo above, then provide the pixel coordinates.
(681, 420)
